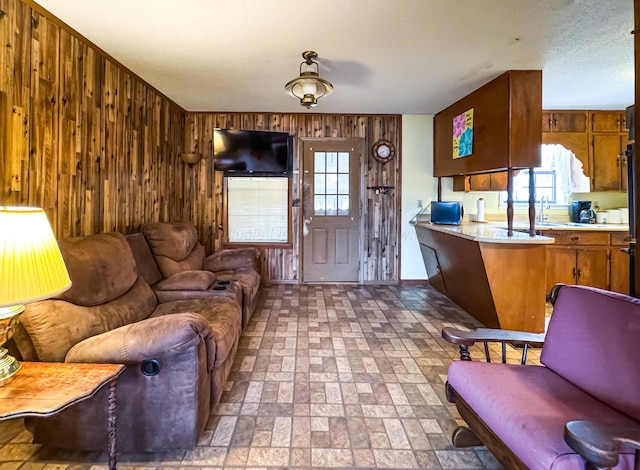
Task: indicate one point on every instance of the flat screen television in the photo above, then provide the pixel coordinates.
(252, 153)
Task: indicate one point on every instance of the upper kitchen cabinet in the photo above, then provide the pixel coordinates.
(505, 127)
(608, 145)
(614, 122)
(564, 121)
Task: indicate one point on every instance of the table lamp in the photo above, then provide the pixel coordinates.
(31, 269)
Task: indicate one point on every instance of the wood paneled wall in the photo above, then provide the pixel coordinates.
(379, 255)
(80, 135)
(99, 149)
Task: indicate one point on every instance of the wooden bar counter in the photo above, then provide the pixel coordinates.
(499, 280)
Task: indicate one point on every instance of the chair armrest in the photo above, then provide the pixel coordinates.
(464, 339)
(146, 339)
(601, 444)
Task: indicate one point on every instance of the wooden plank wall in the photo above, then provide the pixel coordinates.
(379, 255)
(99, 149)
(81, 136)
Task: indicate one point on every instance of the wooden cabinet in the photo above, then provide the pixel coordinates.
(619, 265)
(485, 182)
(589, 259)
(608, 146)
(564, 121)
(614, 122)
(569, 129)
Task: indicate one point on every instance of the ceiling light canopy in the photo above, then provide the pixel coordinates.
(309, 87)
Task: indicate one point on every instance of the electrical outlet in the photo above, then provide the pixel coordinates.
(420, 203)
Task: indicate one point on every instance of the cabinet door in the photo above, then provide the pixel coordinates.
(561, 266)
(607, 121)
(593, 267)
(606, 162)
(547, 121)
(480, 182)
(624, 183)
(619, 271)
(569, 121)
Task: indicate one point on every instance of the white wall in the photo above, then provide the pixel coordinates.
(417, 183)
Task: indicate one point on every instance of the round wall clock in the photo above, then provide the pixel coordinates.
(383, 151)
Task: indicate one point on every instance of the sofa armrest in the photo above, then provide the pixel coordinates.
(601, 445)
(145, 340)
(231, 259)
(464, 339)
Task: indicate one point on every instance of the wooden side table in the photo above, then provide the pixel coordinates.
(43, 389)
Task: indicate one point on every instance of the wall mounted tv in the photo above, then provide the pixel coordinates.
(253, 153)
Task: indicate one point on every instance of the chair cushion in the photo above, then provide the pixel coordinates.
(603, 327)
(188, 280)
(223, 315)
(145, 261)
(101, 268)
(527, 408)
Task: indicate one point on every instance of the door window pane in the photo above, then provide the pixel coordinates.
(319, 205)
(332, 183)
(343, 205)
(332, 205)
(343, 162)
(343, 184)
(332, 162)
(318, 162)
(319, 186)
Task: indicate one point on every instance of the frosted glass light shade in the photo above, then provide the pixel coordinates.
(31, 265)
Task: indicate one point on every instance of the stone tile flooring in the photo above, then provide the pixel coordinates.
(327, 377)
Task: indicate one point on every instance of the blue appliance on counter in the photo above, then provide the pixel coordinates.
(446, 213)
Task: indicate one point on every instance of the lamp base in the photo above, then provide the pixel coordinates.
(9, 365)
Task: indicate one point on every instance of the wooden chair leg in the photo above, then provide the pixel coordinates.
(465, 437)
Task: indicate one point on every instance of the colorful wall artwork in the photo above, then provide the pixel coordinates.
(463, 134)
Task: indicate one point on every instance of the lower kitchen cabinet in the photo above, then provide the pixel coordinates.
(619, 266)
(588, 258)
(587, 266)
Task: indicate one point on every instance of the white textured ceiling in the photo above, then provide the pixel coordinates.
(382, 56)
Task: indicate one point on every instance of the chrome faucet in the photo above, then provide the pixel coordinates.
(541, 216)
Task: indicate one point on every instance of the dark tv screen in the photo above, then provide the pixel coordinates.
(252, 153)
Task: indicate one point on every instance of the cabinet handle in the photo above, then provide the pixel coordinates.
(575, 239)
(575, 272)
(618, 160)
(618, 122)
(550, 123)
(579, 273)
(555, 123)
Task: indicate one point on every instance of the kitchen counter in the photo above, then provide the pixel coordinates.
(546, 226)
(499, 280)
(494, 232)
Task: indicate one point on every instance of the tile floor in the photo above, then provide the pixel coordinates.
(326, 377)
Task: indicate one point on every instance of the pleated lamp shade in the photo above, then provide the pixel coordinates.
(31, 265)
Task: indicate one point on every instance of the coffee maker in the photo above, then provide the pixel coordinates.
(576, 209)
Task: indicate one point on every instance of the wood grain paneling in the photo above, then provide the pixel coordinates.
(379, 255)
(99, 149)
(80, 135)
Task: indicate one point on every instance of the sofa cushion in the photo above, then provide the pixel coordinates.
(597, 321)
(230, 259)
(175, 246)
(188, 280)
(527, 408)
(55, 326)
(223, 315)
(101, 268)
(145, 261)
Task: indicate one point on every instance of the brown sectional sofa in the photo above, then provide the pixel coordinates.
(178, 353)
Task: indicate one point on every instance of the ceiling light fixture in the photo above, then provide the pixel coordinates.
(309, 87)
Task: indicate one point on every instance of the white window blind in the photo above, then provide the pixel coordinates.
(258, 209)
